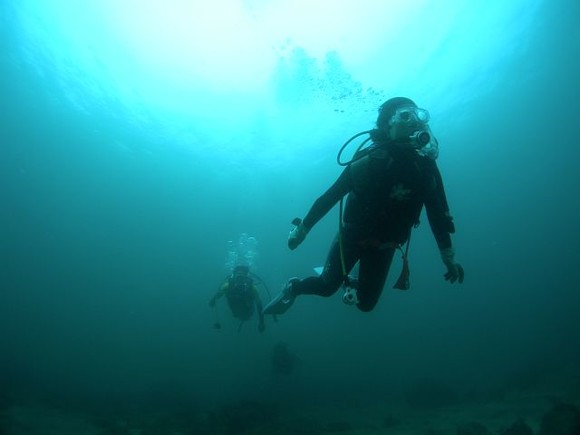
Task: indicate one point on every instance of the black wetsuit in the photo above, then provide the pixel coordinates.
(387, 190)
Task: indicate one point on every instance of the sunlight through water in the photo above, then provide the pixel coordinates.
(245, 72)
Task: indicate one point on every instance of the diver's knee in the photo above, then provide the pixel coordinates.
(328, 288)
(366, 307)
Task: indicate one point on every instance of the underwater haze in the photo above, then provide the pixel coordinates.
(138, 138)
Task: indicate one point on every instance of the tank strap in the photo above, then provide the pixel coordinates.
(360, 173)
(360, 170)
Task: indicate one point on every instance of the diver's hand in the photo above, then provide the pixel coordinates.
(261, 327)
(454, 273)
(454, 270)
(297, 235)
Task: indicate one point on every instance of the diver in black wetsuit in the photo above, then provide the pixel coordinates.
(387, 185)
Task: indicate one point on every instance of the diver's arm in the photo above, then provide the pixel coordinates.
(219, 294)
(437, 210)
(324, 203)
(442, 226)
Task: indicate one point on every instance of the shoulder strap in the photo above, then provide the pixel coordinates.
(360, 172)
(361, 169)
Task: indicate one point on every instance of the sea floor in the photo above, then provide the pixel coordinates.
(499, 413)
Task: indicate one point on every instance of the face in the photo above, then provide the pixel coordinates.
(406, 121)
(239, 273)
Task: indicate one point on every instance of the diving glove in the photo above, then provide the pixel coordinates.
(454, 269)
(297, 234)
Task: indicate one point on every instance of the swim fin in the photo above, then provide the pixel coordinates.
(281, 303)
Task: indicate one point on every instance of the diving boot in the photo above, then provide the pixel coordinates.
(281, 303)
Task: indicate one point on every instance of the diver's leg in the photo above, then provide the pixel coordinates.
(373, 271)
(332, 275)
(324, 285)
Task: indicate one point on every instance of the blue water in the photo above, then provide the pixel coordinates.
(123, 177)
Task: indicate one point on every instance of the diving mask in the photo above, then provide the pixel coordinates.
(410, 115)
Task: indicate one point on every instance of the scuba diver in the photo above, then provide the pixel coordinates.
(387, 184)
(242, 296)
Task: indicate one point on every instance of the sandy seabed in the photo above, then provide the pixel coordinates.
(490, 414)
